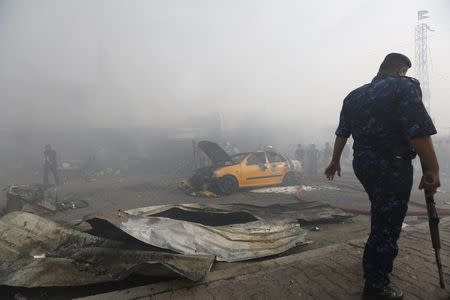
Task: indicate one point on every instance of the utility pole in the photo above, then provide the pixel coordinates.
(422, 57)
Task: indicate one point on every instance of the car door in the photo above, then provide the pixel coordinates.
(278, 166)
(255, 170)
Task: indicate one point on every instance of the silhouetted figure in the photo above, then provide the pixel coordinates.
(50, 164)
(312, 160)
(388, 123)
(326, 155)
(300, 154)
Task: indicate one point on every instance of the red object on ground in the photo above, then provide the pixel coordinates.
(366, 211)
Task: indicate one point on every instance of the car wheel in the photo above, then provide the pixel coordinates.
(227, 185)
(290, 179)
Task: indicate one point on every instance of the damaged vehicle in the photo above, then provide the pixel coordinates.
(244, 170)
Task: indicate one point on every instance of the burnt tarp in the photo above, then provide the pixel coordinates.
(230, 232)
(37, 252)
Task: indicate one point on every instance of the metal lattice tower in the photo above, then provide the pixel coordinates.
(422, 57)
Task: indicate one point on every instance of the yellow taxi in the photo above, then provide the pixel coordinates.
(227, 174)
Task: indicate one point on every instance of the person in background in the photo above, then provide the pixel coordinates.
(326, 154)
(300, 154)
(50, 164)
(312, 160)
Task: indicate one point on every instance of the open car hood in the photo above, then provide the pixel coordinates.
(214, 152)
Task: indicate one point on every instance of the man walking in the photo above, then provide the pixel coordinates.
(50, 164)
(312, 158)
(389, 125)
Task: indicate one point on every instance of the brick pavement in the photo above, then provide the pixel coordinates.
(332, 272)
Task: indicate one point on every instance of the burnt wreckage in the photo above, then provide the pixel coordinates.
(244, 170)
(163, 241)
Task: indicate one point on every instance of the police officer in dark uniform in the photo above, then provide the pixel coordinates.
(389, 125)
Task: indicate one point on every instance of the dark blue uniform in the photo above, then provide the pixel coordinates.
(382, 116)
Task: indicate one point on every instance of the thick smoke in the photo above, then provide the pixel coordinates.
(255, 71)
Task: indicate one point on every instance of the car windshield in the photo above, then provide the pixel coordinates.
(237, 158)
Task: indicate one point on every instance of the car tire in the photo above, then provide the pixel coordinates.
(290, 179)
(227, 185)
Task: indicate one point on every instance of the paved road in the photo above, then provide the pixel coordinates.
(109, 193)
(123, 192)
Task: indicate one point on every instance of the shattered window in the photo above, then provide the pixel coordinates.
(256, 159)
(238, 157)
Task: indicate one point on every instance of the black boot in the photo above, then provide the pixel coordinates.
(388, 292)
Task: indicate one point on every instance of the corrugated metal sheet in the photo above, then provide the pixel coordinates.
(35, 251)
(274, 230)
(227, 243)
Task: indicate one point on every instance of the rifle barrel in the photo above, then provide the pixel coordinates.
(433, 221)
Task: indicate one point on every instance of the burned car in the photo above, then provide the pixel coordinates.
(227, 174)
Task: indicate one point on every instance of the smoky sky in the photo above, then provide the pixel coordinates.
(159, 63)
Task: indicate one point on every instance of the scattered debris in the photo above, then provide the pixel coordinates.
(291, 190)
(37, 252)
(71, 204)
(31, 197)
(39, 198)
(231, 242)
(308, 188)
(186, 186)
(277, 190)
(231, 232)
